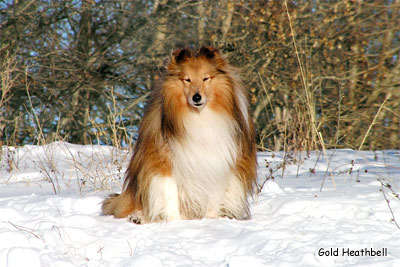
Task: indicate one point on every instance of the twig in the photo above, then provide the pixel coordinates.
(388, 203)
(369, 129)
(41, 138)
(25, 229)
(327, 161)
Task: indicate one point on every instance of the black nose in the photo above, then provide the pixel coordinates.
(196, 98)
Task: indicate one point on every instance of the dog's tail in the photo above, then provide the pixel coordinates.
(119, 205)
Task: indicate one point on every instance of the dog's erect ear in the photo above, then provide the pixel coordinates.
(181, 55)
(213, 55)
(208, 52)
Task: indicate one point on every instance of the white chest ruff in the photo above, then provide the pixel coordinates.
(202, 162)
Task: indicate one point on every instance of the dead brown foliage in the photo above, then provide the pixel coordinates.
(80, 70)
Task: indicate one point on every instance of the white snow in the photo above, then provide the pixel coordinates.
(50, 199)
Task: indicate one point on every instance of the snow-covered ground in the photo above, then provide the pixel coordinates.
(50, 213)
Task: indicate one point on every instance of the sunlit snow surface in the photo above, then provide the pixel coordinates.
(50, 213)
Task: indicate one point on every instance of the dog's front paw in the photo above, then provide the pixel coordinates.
(135, 218)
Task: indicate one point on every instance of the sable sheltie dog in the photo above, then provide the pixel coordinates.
(195, 156)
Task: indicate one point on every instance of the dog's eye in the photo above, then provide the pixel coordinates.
(187, 80)
(206, 79)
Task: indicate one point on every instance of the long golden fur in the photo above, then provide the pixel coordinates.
(195, 155)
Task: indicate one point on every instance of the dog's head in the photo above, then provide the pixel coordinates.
(196, 73)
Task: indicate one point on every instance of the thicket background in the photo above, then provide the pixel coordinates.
(318, 72)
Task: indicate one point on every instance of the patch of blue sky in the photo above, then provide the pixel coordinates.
(5, 4)
(33, 54)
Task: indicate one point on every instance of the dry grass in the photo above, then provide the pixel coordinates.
(316, 72)
(7, 68)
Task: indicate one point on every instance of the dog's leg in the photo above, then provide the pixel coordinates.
(163, 199)
(234, 203)
(212, 211)
(214, 204)
(136, 217)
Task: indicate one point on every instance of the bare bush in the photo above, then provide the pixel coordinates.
(317, 71)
